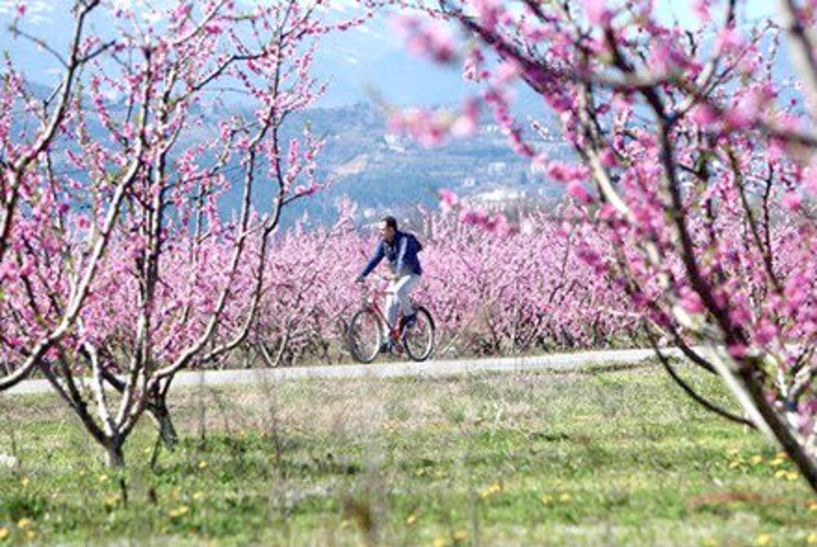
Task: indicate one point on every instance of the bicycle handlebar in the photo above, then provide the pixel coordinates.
(380, 277)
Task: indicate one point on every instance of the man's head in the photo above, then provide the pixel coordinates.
(388, 228)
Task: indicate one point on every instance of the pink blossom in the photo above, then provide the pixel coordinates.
(608, 158)
(8, 271)
(576, 190)
(729, 40)
(213, 29)
(809, 180)
(597, 12)
(304, 191)
(506, 73)
(701, 8)
(766, 332)
(489, 12)
(430, 129)
(704, 115)
(425, 39)
(691, 302)
(792, 201)
(738, 350)
(563, 172)
(467, 122)
(448, 199)
(473, 69)
(182, 11)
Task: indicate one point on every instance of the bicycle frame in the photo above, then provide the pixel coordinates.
(372, 305)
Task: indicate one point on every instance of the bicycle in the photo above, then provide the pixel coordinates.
(365, 334)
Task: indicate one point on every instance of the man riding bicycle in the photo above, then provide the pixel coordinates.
(401, 249)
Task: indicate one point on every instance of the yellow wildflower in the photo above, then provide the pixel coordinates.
(111, 500)
(411, 519)
(763, 539)
(24, 481)
(24, 523)
(4, 533)
(495, 488)
(564, 498)
(792, 476)
(812, 539)
(440, 542)
(756, 459)
(179, 512)
(545, 499)
(202, 464)
(781, 474)
(460, 535)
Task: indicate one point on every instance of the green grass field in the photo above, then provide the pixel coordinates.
(591, 458)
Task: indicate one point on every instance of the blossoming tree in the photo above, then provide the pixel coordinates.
(694, 159)
(116, 267)
(490, 293)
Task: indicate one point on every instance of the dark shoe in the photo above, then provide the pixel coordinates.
(410, 320)
(385, 347)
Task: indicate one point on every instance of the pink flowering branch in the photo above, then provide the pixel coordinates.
(18, 166)
(138, 275)
(701, 200)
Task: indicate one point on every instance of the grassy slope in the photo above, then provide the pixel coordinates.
(615, 457)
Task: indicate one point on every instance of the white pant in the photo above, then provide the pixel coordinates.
(397, 297)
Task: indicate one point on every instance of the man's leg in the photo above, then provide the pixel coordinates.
(392, 308)
(404, 286)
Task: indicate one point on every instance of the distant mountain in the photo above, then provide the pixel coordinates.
(379, 171)
(383, 172)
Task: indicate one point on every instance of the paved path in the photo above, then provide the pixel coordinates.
(431, 369)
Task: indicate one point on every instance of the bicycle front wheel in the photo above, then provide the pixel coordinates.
(365, 336)
(419, 338)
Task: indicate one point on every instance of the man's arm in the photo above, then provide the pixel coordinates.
(401, 255)
(374, 261)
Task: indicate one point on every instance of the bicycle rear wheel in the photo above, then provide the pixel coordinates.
(365, 336)
(419, 338)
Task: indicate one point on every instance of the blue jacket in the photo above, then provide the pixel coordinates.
(402, 255)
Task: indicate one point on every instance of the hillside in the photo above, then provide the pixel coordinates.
(383, 172)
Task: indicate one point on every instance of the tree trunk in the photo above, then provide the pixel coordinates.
(114, 456)
(748, 391)
(167, 431)
(157, 408)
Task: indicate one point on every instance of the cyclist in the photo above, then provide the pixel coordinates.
(401, 249)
